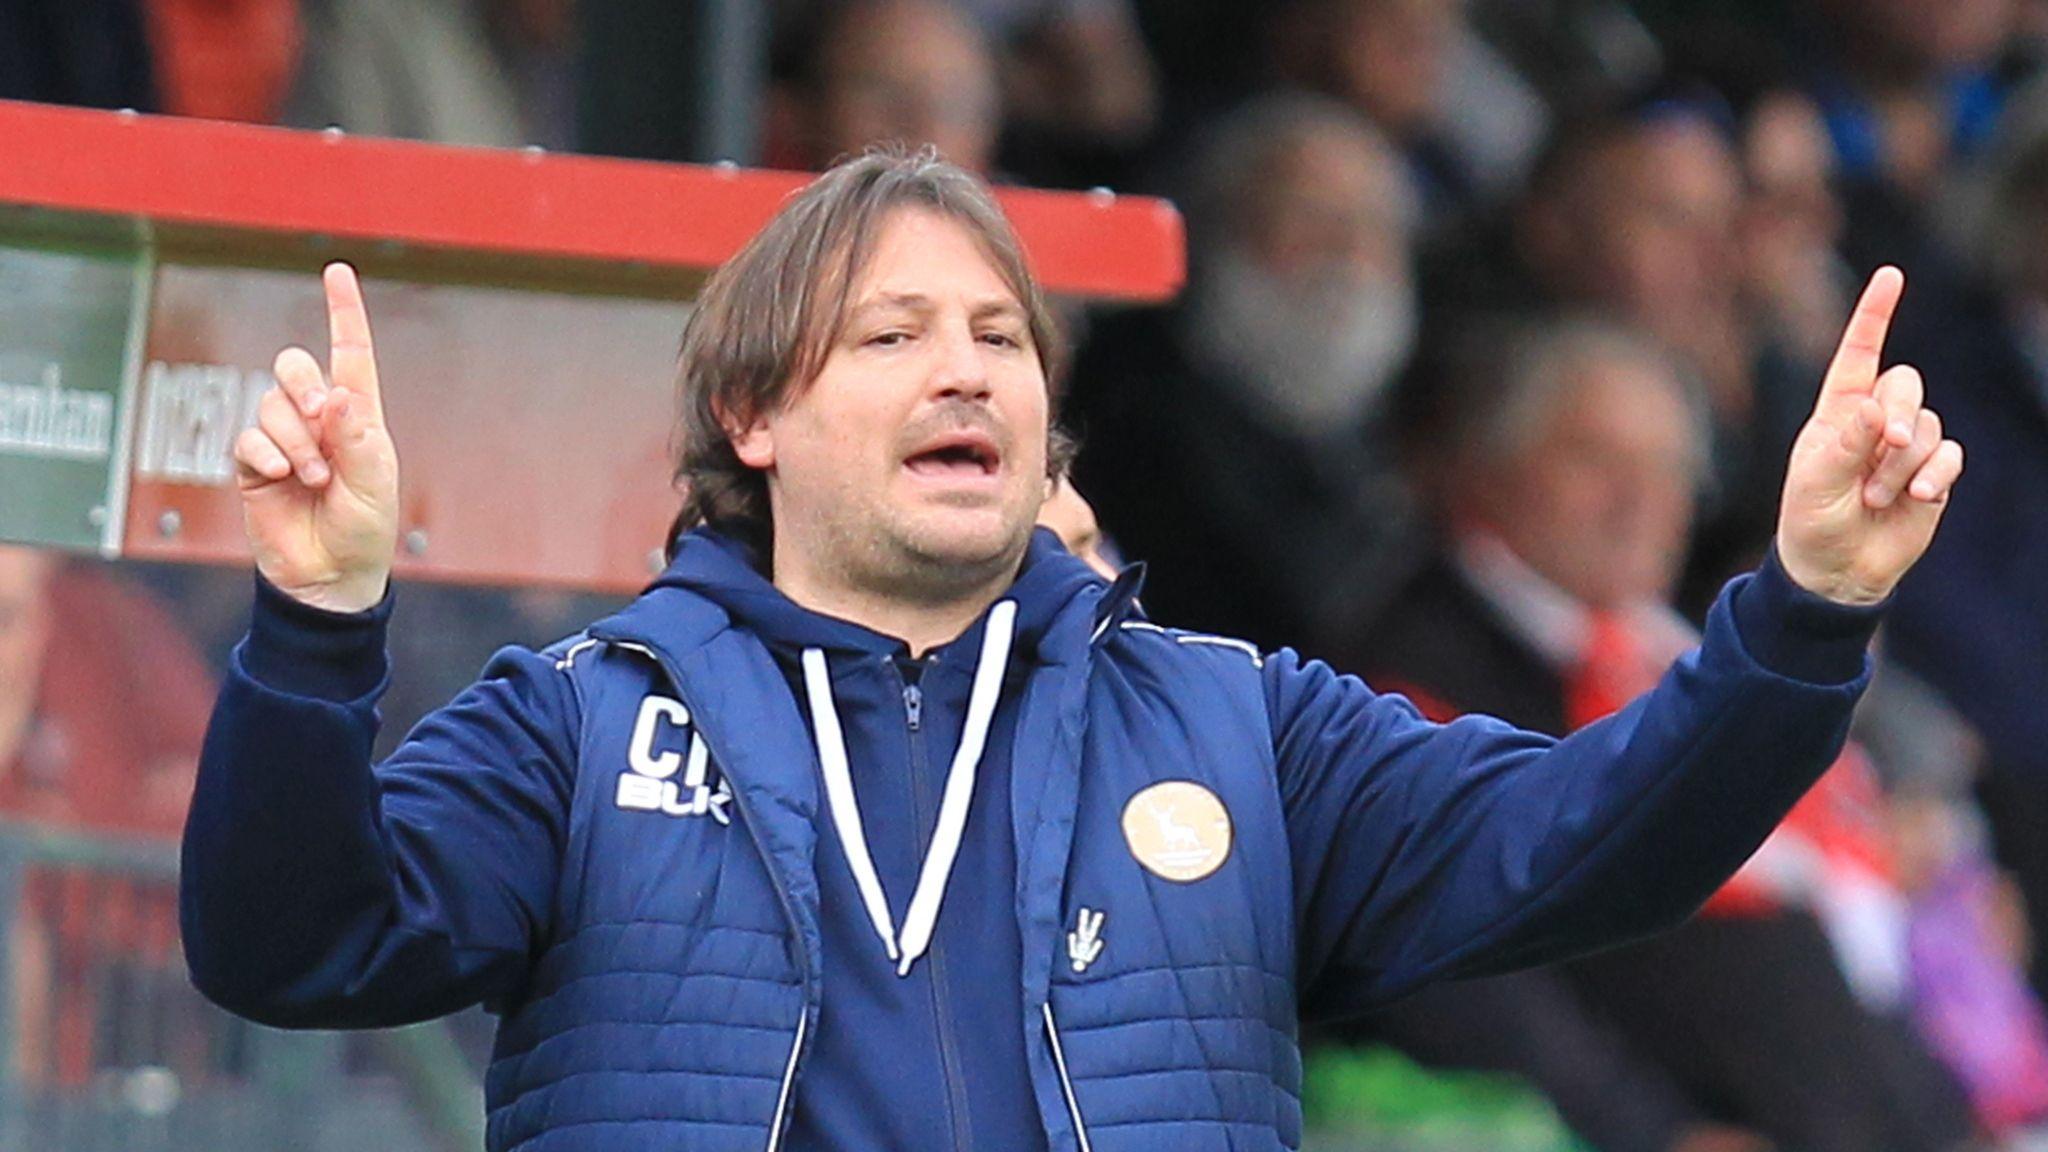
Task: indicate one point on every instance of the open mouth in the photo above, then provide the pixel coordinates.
(963, 455)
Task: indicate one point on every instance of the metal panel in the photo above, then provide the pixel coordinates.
(69, 324)
(532, 425)
(611, 218)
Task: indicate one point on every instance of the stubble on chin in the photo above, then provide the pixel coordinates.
(928, 553)
(929, 563)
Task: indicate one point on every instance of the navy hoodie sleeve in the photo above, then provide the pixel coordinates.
(1423, 851)
(318, 891)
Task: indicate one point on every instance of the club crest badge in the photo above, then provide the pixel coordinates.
(1178, 830)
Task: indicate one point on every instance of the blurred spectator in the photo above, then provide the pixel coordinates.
(1080, 88)
(403, 68)
(535, 42)
(1973, 616)
(1073, 519)
(1561, 475)
(1069, 84)
(1564, 478)
(875, 71)
(1913, 94)
(1916, 97)
(1637, 216)
(90, 52)
(1909, 88)
(225, 59)
(75, 653)
(1967, 933)
(103, 704)
(1466, 122)
(1795, 286)
(1643, 216)
(1233, 441)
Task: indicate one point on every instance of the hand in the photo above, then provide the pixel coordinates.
(1870, 472)
(318, 472)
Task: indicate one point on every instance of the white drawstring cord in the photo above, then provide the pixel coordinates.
(839, 794)
(922, 917)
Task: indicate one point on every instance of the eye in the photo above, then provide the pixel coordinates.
(1001, 340)
(888, 339)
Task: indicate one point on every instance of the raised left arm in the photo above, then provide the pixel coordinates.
(1425, 851)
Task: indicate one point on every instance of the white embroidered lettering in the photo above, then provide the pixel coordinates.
(654, 756)
(639, 793)
(641, 754)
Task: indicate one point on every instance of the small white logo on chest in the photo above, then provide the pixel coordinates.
(1084, 943)
(652, 758)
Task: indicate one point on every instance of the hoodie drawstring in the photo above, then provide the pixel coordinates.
(922, 917)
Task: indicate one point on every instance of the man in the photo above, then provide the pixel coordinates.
(1072, 519)
(1567, 468)
(1643, 216)
(1071, 83)
(915, 72)
(1914, 94)
(706, 863)
(1560, 470)
(1974, 618)
(1237, 442)
(1638, 214)
(1465, 122)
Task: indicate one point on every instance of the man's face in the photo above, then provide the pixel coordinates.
(1331, 208)
(1790, 166)
(1601, 502)
(1390, 57)
(914, 72)
(1653, 231)
(1310, 299)
(917, 458)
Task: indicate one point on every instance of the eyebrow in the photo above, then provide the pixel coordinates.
(1002, 306)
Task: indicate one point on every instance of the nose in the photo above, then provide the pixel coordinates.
(960, 372)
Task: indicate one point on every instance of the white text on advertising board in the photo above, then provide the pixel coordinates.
(47, 420)
(190, 417)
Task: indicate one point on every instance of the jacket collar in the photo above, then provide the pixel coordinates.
(711, 586)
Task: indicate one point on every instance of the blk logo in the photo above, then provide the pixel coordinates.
(669, 769)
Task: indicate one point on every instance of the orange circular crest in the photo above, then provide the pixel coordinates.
(1178, 830)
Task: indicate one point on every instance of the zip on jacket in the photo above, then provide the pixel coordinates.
(658, 973)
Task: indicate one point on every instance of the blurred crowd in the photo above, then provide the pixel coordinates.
(1502, 316)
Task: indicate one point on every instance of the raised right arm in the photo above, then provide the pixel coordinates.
(318, 891)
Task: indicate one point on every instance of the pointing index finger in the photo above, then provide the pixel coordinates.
(352, 362)
(1853, 371)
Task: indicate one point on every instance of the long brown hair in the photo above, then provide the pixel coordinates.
(766, 320)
